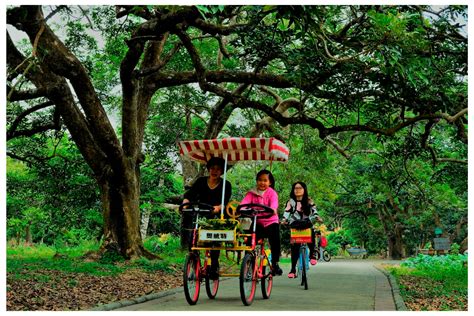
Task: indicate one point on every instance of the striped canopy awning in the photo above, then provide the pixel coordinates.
(236, 148)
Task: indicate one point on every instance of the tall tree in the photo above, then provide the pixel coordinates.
(372, 69)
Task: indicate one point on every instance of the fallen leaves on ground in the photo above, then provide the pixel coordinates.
(60, 291)
(421, 294)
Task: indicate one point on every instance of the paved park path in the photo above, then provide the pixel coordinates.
(338, 285)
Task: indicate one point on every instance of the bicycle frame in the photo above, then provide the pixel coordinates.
(301, 259)
(253, 269)
(243, 248)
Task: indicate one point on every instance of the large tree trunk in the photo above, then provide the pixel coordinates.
(28, 237)
(396, 247)
(120, 199)
(393, 231)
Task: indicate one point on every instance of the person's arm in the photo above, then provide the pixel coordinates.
(287, 212)
(273, 199)
(314, 215)
(247, 199)
(228, 194)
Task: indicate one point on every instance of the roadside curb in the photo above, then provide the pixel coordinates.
(397, 298)
(138, 300)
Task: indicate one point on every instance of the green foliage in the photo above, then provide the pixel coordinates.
(439, 267)
(153, 265)
(57, 198)
(163, 221)
(340, 238)
(17, 266)
(333, 249)
(23, 261)
(454, 249)
(217, 224)
(440, 279)
(168, 247)
(350, 65)
(40, 257)
(111, 258)
(72, 237)
(39, 251)
(209, 10)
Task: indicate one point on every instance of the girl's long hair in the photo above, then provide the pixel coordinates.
(305, 200)
(270, 177)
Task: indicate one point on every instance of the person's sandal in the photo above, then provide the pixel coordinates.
(291, 275)
(313, 261)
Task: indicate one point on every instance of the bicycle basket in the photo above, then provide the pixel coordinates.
(245, 223)
(300, 236)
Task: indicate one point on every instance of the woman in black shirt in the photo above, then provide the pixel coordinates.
(209, 190)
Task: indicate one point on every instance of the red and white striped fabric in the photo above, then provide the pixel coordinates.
(237, 149)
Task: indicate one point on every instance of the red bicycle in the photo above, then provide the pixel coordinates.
(194, 271)
(256, 265)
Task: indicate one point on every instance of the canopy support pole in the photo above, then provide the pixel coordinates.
(224, 185)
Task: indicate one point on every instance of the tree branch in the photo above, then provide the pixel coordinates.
(28, 19)
(17, 95)
(425, 145)
(338, 148)
(12, 131)
(162, 63)
(455, 117)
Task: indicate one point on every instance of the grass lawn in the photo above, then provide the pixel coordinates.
(436, 283)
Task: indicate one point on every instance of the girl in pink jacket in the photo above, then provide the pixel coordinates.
(269, 227)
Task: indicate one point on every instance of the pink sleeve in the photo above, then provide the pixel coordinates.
(274, 200)
(247, 199)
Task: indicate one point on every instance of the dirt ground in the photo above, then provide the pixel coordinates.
(68, 291)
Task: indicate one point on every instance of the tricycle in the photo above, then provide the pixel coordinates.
(238, 232)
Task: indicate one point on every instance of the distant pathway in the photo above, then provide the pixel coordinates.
(339, 285)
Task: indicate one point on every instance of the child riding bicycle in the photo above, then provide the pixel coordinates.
(264, 193)
(300, 212)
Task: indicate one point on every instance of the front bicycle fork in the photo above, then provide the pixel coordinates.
(303, 256)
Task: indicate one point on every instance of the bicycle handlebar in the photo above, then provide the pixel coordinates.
(199, 208)
(249, 210)
(301, 224)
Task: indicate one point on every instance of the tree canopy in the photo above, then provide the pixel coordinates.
(183, 72)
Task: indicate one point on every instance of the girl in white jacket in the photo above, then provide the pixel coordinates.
(300, 208)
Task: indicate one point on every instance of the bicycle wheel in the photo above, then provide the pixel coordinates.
(267, 280)
(304, 280)
(327, 256)
(248, 279)
(191, 278)
(299, 268)
(211, 285)
(317, 254)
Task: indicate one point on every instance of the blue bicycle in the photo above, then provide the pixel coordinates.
(303, 237)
